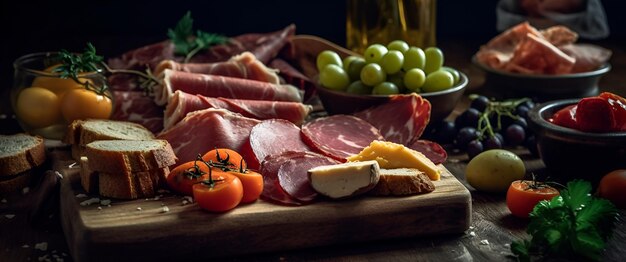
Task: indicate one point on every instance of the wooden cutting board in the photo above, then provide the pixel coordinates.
(140, 229)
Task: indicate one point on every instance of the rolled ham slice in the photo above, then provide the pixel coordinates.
(181, 103)
(244, 66)
(222, 86)
(401, 120)
(206, 130)
(535, 55)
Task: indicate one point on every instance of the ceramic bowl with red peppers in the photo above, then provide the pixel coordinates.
(581, 138)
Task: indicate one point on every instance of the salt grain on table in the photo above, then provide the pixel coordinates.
(43, 246)
(90, 201)
(9, 216)
(484, 242)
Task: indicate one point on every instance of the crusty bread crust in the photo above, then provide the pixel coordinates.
(402, 181)
(129, 156)
(88, 178)
(22, 159)
(137, 185)
(16, 182)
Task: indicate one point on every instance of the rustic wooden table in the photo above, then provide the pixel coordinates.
(24, 237)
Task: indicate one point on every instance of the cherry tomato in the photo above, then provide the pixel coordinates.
(252, 185)
(223, 193)
(522, 196)
(83, 104)
(618, 104)
(613, 187)
(226, 156)
(595, 114)
(183, 177)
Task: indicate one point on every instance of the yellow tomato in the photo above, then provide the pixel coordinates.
(56, 84)
(38, 107)
(83, 104)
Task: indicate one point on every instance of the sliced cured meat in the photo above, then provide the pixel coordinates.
(283, 173)
(136, 107)
(244, 66)
(182, 103)
(222, 86)
(272, 137)
(499, 50)
(294, 77)
(431, 150)
(588, 57)
(401, 120)
(144, 57)
(559, 35)
(293, 175)
(204, 130)
(535, 55)
(339, 136)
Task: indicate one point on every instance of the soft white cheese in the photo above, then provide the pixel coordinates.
(344, 180)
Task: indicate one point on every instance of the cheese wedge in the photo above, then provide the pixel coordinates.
(391, 155)
(345, 180)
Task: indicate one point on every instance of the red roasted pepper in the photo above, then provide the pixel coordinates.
(565, 117)
(603, 113)
(618, 105)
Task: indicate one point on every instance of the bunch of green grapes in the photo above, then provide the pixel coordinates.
(385, 70)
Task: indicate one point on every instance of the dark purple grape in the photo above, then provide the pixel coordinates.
(464, 136)
(514, 135)
(444, 132)
(531, 144)
(493, 142)
(530, 104)
(480, 103)
(520, 122)
(522, 111)
(474, 148)
(468, 118)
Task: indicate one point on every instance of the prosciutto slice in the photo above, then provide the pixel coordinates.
(136, 107)
(222, 86)
(401, 120)
(208, 129)
(535, 55)
(181, 103)
(294, 77)
(339, 136)
(244, 66)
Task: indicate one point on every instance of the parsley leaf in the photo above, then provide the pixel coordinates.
(186, 43)
(574, 223)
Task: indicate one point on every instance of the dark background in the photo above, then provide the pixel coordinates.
(118, 26)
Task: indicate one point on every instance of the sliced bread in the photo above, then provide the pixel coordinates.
(83, 132)
(136, 185)
(20, 153)
(10, 184)
(129, 156)
(402, 181)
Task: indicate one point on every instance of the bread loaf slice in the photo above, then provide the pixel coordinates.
(20, 153)
(402, 181)
(10, 184)
(125, 157)
(83, 132)
(136, 185)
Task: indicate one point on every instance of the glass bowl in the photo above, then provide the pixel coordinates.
(39, 95)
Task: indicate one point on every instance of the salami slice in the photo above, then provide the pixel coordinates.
(293, 175)
(401, 120)
(285, 178)
(339, 136)
(431, 150)
(272, 137)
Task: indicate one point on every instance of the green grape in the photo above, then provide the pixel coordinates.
(398, 45)
(438, 81)
(357, 87)
(434, 59)
(348, 60)
(398, 80)
(374, 53)
(355, 67)
(327, 57)
(414, 58)
(385, 88)
(454, 72)
(414, 79)
(334, 77)
(373, 74)
(392, 61)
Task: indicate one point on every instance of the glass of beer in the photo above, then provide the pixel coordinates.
(382, 21)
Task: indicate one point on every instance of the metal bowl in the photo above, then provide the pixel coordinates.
(542, 87)
(569, 153)
(442, 102)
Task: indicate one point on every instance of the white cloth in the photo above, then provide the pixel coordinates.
(590, 23)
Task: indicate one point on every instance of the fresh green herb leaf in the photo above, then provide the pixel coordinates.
(186, 43)
(574, 223)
